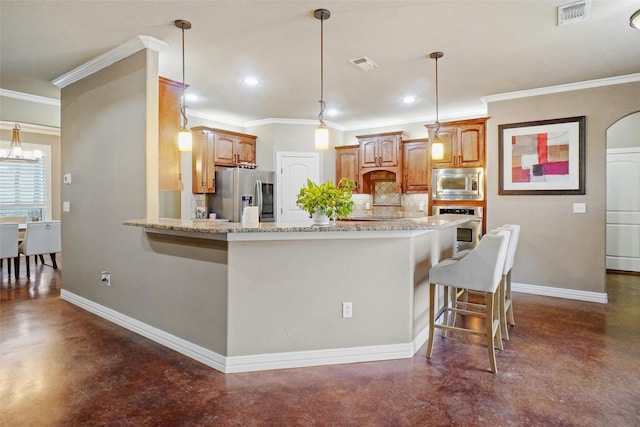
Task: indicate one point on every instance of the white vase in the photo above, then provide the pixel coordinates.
(320, 219)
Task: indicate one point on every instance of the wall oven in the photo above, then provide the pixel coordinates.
(458, 184)
(468, 234)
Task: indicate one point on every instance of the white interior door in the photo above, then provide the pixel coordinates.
(293, 170)
(623, 209)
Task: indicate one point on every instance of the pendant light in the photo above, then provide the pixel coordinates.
(322, 131)
(184, 136)
(437, 148)
(15, 153)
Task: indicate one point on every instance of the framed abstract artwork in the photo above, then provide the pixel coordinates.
(542, 157)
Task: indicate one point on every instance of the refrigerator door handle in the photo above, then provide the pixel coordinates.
(259, 197)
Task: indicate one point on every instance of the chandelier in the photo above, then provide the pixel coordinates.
(16, 153)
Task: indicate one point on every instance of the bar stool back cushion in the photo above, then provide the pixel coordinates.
(482, 268)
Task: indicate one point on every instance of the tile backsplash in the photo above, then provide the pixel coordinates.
(409, 206)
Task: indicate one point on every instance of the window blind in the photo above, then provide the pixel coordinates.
(23, 188)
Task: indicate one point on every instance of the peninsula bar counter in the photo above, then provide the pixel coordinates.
(270, 296)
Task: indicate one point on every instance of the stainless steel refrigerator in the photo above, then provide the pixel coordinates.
(237, 188)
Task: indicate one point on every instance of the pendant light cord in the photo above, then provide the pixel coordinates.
(322, 103)
(437, 99)
(436, 56)
(183, 110)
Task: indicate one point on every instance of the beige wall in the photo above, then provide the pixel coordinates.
(107, 120)
(558, 248)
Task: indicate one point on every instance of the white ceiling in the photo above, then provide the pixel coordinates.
(490, 47)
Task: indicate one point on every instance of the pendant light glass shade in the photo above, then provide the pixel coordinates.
(322, 137)
(437, 148)
(185, 142)
(322, 132)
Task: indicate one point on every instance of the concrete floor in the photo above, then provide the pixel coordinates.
(567, 363)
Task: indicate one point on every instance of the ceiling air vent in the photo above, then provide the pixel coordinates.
(573, 12)
(364, 63)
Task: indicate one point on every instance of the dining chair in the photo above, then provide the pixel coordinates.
(20, 219)
(480, 271)
(41, 238)
(9, 247)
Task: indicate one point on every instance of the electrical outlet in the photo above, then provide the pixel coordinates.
(105, 277)
(347, 310)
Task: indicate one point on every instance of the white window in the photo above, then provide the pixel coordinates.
(25, 188)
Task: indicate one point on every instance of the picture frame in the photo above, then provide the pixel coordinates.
(544, 157)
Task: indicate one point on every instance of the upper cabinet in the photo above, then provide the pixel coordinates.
(234, 149)
(463, 141)
(168, 127)
(416, 165)
(380, 150)
(217, 147)
(348, 164)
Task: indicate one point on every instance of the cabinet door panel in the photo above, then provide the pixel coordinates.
(368, 153)
(416, 159)
(388, 151)
(203, 167)
(246, 150)
(169, 125)
(348, 165)
(471, 146)
(225, 150)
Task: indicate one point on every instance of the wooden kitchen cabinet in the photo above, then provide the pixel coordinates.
(380, 150)
(169, 178)
(416, 165)
(203, 165)
(348, 164)
(234, 149)
(463, 141)
(217, 147)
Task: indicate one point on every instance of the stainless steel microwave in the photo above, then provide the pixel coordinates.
(458, 184)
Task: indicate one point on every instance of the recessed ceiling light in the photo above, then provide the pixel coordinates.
(250, 81)
(332, 112)
(191, 97)
(634, 21)
(410, 99)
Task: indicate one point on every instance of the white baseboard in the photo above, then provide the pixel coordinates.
(599, 297)
(258, 362)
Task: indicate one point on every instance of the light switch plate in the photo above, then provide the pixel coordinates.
(579, 208)
(66, 178)
(66, 206)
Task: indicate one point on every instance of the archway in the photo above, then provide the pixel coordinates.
(623, 194)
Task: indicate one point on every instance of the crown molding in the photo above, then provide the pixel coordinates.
(429, 119)
(114, 55)
(588, 84)
(31, 128)
(29, 97)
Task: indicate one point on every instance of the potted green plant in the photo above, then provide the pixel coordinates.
(326, 200)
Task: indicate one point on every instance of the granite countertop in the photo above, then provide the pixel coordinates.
(219, 227)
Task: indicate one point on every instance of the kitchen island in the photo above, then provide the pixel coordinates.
(273, 295)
